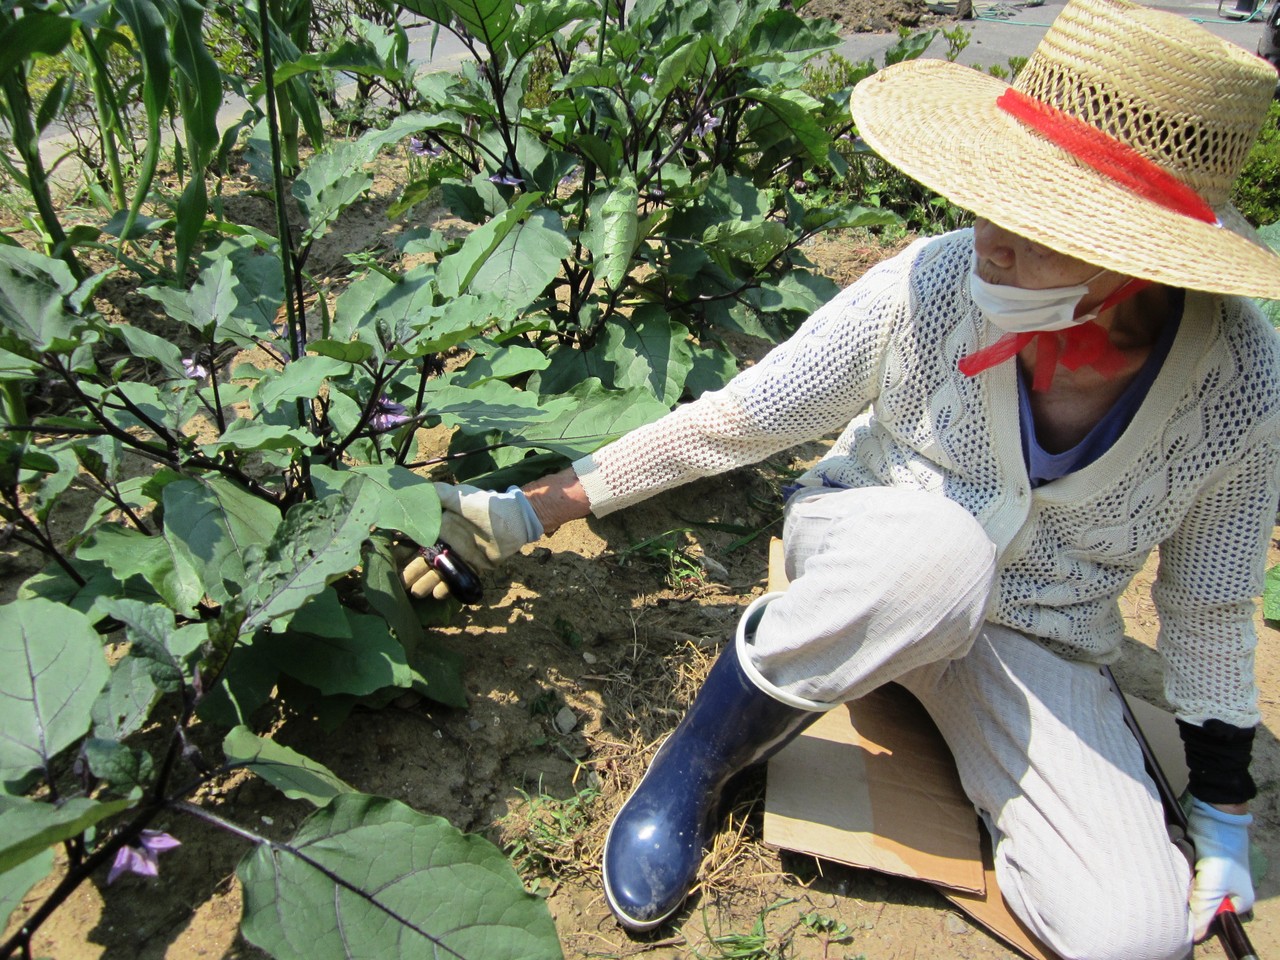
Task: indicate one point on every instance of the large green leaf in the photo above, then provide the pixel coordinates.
(259, 292)
(370, 877)
(526, 261)
(406, 502)
(128, 553)
(614, 231)
(498, 362)
(781, 33)
(713, 366)
(51, 670)
(589, 417)
(489, 21)
(652, 352)
(296, 776)
(122, 768)
(538, 21)
(247, 435)
(569, 367)
(33, 303)
(211, 299)
(331, 182)
(359, 659)
(147, 346)
(36, 31)
(438, 672)
(458, 269)
(301, 378)
(317, 542)
(28, 827)
(246, 683)
(156, 639)
(788, 120)
(678, 67)
(754, 242)
(88, 595)
(214, 521)
(124, 705)
(386, 595)
(15, 884)
(491, 405)
(442, 326)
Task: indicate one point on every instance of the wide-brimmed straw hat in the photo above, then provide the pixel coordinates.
(1117, 144)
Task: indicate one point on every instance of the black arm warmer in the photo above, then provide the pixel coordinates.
(1218, 756)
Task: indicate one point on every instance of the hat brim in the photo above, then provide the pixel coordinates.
(938, 122)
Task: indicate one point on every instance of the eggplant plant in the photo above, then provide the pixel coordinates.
(253, 446)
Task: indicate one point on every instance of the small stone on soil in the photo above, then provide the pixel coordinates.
(566, 720)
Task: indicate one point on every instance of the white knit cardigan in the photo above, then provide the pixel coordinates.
(1196, 473)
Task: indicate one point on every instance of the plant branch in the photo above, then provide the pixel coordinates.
(44, 542)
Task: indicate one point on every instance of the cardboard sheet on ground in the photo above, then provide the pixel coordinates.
(872, 785)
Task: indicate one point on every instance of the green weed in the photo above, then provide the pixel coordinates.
(668, 552)
(828, 929)
(745, 946)
(548, 832)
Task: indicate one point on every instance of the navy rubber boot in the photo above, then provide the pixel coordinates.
(655, 844)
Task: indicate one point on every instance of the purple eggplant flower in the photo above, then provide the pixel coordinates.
(388, 415)
(194, 369)
(506, 180)
(706, 125)
(424, 148)
(142, 859)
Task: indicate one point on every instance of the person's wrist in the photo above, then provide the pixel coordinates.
(1236, 809)
(533, 526)
(557, 499)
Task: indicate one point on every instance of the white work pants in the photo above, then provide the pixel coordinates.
(893, 585)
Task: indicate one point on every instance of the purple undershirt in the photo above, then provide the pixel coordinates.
(1043, 467)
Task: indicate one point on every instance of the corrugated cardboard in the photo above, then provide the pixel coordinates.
(873, 785)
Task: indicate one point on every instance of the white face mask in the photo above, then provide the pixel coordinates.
(1018, 310)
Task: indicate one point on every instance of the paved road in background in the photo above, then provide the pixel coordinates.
(1004, 30)
(1000, 31)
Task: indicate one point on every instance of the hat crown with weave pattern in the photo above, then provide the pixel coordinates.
(1146, 78)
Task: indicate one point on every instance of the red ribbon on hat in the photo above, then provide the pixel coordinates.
(1109, 156)
(1084, 345)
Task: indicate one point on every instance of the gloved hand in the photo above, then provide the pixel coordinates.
(1222, 862)
(482, 527)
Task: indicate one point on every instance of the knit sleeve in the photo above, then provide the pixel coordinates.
(1211, 571)
(805, 388)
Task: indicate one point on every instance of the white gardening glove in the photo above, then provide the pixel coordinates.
(482, 527)
(1221, 842)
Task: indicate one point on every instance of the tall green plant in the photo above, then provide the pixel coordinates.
(620, 229)
(665, 159)
(28, 31)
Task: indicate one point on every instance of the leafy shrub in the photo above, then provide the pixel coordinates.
(628, 187)
(861, 177)
(1257, 191)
